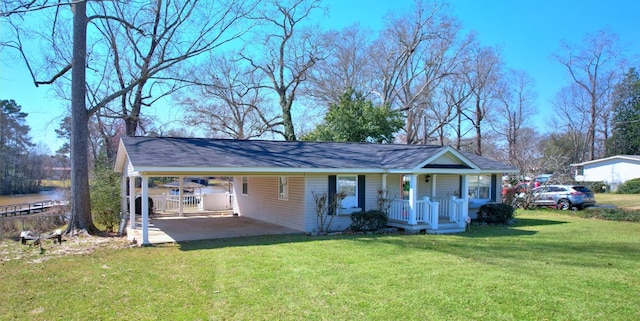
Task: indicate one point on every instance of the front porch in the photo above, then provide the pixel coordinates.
(437, 215)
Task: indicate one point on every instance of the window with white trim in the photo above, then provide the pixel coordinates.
(283, 188)
(479, 186)
(245, 185)
(348, 184)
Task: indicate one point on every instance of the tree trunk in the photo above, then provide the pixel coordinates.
(80, 196)
(289, 132)
(479, 115)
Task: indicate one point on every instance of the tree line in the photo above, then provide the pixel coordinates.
(247, 69)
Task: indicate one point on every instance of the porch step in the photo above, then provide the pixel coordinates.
(444, 227)
(447, 228)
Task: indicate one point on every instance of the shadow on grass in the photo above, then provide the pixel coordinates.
(265, 240)
(521, 222)
(261, 240)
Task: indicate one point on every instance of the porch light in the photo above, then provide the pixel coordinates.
(427, 178)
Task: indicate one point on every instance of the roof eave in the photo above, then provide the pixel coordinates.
(121, 157)
(447, 149)
(167, 171)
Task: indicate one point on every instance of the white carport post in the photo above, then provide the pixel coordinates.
(181, 196)
(145, 210)
(413, 197)
(123, 195)
(132, 202)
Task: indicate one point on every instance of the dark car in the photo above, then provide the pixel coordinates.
(563, 197)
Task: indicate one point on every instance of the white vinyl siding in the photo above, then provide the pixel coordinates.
(263, 204)
(447, 185)
(614, 172)
(320, 184)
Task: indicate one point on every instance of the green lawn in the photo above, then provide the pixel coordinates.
(549, 266)
(627, 201)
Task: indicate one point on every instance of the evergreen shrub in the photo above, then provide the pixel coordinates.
(368, 220)
(495, 213)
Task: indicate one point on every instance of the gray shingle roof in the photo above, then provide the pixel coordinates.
(221, 153)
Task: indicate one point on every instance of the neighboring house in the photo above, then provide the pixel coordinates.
(614, 170)
(433, 188)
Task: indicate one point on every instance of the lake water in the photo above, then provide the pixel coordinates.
(54, 195)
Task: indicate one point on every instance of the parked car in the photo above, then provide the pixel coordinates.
(563, 197)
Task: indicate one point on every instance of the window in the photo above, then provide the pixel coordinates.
(580, 170)
(349, 186)
(245, 185)
(283, 188)
(479, 186)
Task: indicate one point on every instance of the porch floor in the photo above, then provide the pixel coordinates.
(169, 229)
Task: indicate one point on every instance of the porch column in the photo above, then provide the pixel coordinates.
(384, 183)
(181, 196)
(145, 210)
(434, 177)
(464, 194)
(123, 195)
(413, 197)
(132, 202)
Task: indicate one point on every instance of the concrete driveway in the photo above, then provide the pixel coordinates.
(191, 228)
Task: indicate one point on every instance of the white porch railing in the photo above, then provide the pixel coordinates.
(454, 209)
(172, 202)
(430, 211)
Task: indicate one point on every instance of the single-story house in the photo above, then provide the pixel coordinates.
(614, 170)
(432, 188)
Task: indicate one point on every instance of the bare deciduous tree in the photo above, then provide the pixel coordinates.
(414, 54)
(346, 67)
(482, 75)
(151, 37)
(228, 101)
(285, 51)
(516, 99)
(594, 67)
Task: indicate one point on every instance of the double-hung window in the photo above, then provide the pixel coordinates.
(479, 187)
(283, 188)
(348, 185)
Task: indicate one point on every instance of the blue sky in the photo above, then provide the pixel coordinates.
(528, 33)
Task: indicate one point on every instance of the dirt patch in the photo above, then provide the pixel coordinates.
(71, 245)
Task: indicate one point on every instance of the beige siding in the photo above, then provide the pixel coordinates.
(320, 184)
(128, 167)
(394, 186)
(262, 203)
(447, 159)
(298, 212)
(374, 184)
(447, 185)
(315, 184)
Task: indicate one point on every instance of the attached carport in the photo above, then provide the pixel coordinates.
(204, 227)
(141, 158)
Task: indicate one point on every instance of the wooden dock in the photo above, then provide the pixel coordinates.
(28, 208)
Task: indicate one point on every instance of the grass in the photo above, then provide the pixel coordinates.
(547, 266)
(626, 201)
(56, 183)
